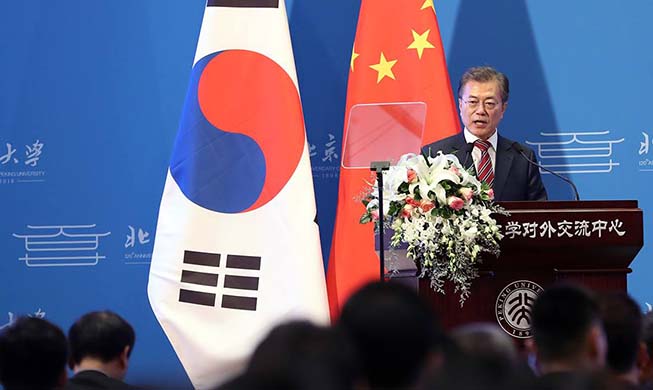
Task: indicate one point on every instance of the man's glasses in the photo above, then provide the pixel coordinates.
(473, 104)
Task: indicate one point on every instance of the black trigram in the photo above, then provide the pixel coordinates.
(244, 3)
(211, 262)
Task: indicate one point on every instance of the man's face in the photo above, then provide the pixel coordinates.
(481, 107)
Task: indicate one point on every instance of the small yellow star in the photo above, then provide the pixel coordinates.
(420, 42)
(384, 68)
(354, 55)
(428, 3)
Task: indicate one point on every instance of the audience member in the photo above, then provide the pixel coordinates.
(484, 357)
(299, 355)
(569, 337)
(33, 355)
(395, 333)
(100, 344)
(486, 339)
(622, 321)
(387, 337)
(646, 358)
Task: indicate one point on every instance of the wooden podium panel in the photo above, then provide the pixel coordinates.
(586, 242)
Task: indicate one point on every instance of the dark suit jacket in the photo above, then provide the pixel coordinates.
(95, 380)
(514, 177)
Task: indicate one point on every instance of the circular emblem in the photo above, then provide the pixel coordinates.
(514, 307)
(241, 138)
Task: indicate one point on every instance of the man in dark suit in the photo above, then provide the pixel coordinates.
(33, 355)
(100, 345)
(570, 339)
(623, 323)
(482, 99)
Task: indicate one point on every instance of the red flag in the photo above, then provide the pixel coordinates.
(397, 57)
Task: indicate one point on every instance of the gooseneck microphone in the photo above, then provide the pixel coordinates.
(518, 148)
(467, 149)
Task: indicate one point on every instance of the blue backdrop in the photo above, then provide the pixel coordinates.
(91, 95)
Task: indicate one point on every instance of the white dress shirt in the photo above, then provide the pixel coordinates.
(476, 152)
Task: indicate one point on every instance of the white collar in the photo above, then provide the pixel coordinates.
(493, 140)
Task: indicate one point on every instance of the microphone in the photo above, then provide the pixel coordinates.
(467, 149)
(518, 147)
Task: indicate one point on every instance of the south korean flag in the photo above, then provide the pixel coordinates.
(237, 248)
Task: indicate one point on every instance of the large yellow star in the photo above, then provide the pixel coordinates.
(420, 42)
(384, 68)
(354, 55)
(428, 3)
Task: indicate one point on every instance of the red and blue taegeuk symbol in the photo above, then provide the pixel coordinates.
(241, 133)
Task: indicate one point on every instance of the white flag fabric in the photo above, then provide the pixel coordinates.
(237, 248)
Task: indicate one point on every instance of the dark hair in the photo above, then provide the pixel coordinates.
(101, 334)
(562, 316)
(486, 339)
(484, 74)
(301, 355)
(622, 321)
(33, 354)
(394, 331)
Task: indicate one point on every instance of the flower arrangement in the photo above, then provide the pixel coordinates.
(443, 213)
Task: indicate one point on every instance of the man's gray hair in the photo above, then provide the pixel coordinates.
(484, 74)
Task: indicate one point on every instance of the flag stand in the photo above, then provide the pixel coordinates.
(379, 167)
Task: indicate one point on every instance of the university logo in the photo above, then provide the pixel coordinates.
(576, 152)
(138, 246)
(62, 245)
(514, 307)
(645, 162)
(17, 167)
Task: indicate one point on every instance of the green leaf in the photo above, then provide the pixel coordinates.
(395, 208)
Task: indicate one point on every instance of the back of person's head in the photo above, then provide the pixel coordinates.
(647, 332)
(484, 357)
(33, 355)
(567, 327)
(301, 355)
(394, 331)
(102, 335)
(622, 321)
(464, 371)
(646, 363)
(485, 340)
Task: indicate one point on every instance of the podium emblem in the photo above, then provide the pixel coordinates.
(514, 307)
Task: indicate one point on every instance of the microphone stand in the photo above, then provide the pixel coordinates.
(467, 149)
(379, 167)
(521, 151)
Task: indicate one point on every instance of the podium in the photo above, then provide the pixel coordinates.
(587, 242)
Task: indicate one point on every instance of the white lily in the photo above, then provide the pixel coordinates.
(415, 162)
(469, 180)
(437, 177)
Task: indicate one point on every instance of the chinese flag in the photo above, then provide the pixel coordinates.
(397, 57)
